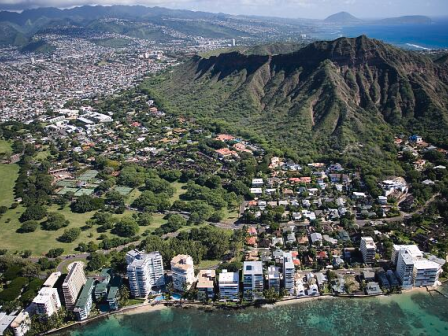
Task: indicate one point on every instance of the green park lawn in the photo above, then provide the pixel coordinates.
(41, 241)
(5, 146)
(8, 177)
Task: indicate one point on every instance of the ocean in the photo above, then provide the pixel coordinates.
(415, 313)
(423, 36)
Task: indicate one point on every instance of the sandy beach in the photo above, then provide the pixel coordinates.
(142, 309)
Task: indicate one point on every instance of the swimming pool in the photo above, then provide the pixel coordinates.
(174, 296)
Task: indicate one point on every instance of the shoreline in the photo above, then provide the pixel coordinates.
(148, 307)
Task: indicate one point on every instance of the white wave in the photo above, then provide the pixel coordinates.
(417, 46)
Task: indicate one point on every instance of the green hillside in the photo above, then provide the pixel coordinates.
(341, 99)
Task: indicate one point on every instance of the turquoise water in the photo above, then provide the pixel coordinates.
(433, 36)
(406, 314)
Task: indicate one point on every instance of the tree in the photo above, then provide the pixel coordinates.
(55, 221)
(96, 261)
(158, 186)
(54, 253)
(124, 295)
(70, 235)
(144, 219)
(132, 176)
(28, 226)
(126, 227)
(34, 212)
(171, 175)
(114, 198)
(27, 254)
(87, 203)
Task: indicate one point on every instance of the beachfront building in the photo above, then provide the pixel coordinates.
(46, 302)
(206, 284)
(73, 283)
(288, 273)
(21, 324)
(84, 303)
(413, 270)
(253, 280)
(182, 268)
(368, 249)
(273, 278)
(145, 271)
(229, 285)
(405, 268)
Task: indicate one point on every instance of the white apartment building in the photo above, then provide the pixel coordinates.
(405, 268)
(145, 271)
(73, 283)
(229, 285)
(288, 272)
(253, 280)
(368, 249)
(206, 284)
(413, 270)
(273, 277)
(182, 268)
(46, 302)
(426, 273)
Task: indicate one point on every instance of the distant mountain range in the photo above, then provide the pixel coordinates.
(160, 24)
(345, 18)
(154, 23)
(344, 97)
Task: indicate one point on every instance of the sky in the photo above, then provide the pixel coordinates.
(315, 9)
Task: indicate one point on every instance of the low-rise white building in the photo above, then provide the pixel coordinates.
(413, 270)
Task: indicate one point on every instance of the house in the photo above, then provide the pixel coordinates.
(373, 288)
(338, 285)
(316, 238)
(257, 182)
(382, 200)
(313, 290)
(224, 137)
(384, 281)
(321, 280)
(225, 153)
(359, 195)
(299, 287)
(368, 275)
(415, 139)
(256, 191)
(251, 241)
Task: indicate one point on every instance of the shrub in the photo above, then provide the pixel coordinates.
(28, 226)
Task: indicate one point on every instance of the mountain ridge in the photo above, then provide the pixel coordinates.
(334, 96)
